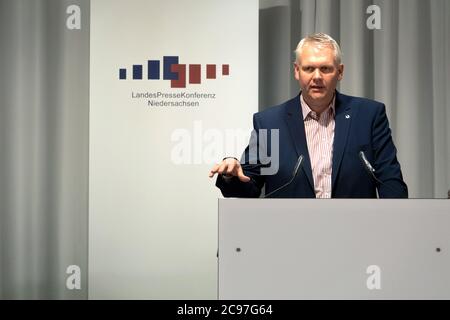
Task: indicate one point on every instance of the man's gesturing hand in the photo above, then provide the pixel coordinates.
(231, 167)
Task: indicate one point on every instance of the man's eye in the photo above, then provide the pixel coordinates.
(325, 69)
(308, 69)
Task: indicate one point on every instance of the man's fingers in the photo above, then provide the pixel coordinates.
(214, 170)
(232, 168)
(222, 167)
(242, 176)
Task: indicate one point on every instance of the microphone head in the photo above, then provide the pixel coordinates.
(366, 162)
(362, 155)
(297, 166)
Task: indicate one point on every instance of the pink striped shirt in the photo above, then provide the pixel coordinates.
(319, 137)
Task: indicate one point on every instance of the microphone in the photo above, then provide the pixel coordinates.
(368, 166)
(371, 171)
(294, 175)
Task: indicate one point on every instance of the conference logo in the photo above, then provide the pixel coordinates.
(179, 74)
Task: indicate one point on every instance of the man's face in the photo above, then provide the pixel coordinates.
(318, 74)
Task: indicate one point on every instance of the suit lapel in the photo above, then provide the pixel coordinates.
(343, 120)
(294, 119)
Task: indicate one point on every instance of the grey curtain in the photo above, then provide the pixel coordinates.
(405, 64)
(44, 86)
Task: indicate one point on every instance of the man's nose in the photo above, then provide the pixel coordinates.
(317, 74)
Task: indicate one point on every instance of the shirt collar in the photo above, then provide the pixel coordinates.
(306, 110)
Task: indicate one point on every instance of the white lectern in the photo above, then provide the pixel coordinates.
(334, 249)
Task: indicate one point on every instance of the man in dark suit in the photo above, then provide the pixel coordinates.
(345, 142)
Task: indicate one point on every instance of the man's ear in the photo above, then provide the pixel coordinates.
(296, 71)
(341, 72)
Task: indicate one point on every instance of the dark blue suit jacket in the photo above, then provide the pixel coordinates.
(360, 125)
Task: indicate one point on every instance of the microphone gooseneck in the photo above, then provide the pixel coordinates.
(297, 167)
